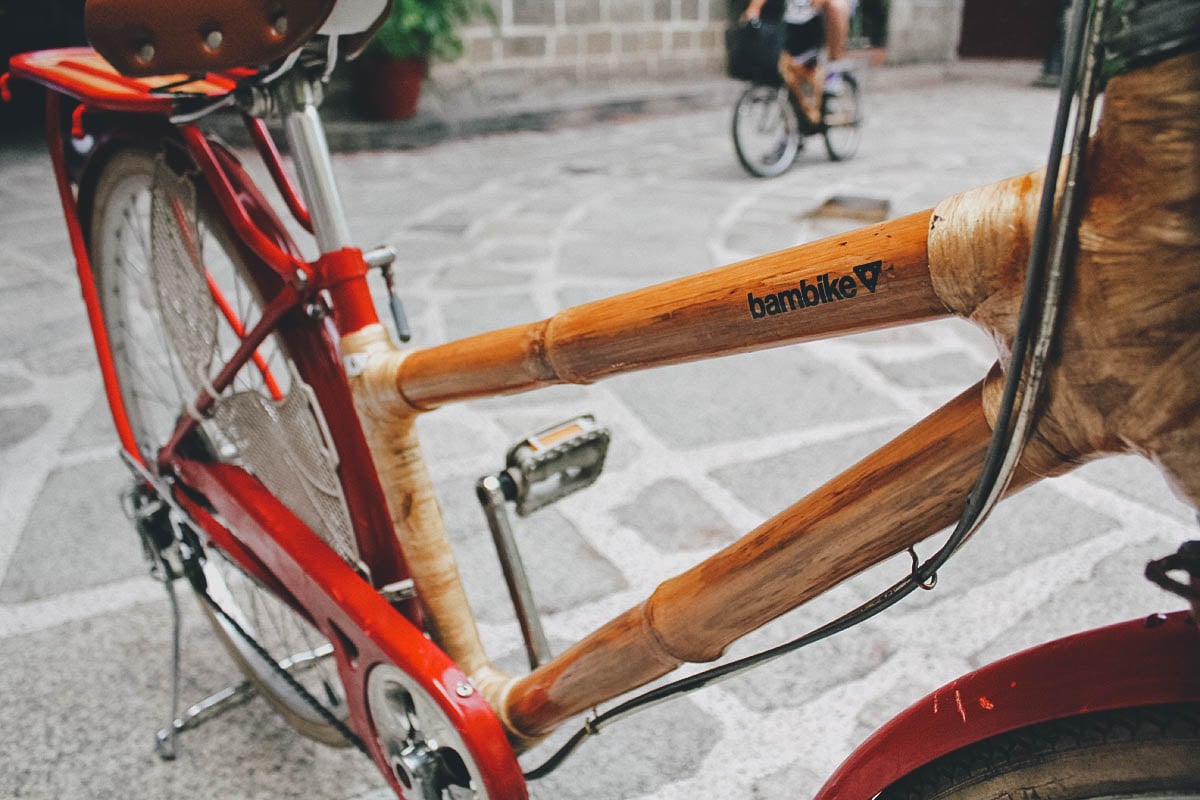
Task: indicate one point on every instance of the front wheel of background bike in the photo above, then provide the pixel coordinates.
(1147, 753)
(842, 116)
(766, 132)
(174, 287)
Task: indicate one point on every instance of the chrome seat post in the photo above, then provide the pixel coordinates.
(310, 152)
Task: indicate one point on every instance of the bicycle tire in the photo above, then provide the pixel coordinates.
(766, 131)
(155, 386)
(1144, 752)
(841, 115)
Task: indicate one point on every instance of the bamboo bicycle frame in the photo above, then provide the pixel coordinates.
(1121, 380)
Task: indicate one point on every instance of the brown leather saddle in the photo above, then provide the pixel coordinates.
(151, 37)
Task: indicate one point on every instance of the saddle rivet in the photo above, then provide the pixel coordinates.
(145, 52)
(280, 25)
(213, 40)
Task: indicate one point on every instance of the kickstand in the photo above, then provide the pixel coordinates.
(160, 535)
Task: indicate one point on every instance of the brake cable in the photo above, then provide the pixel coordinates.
(1045, 277)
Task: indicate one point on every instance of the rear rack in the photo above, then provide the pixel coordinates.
(82, 73)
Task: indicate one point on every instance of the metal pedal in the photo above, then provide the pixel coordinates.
(541, 469)
(556, 462)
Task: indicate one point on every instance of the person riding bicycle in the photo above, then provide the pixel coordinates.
(808, 24)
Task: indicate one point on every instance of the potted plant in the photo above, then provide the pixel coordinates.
(389, 73)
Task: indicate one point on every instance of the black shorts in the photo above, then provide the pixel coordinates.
(804, 41)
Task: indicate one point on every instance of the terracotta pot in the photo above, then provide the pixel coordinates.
(388, 88)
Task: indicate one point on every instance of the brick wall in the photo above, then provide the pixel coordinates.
(562, 43)
(566, 42)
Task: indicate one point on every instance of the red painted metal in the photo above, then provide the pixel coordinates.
(272, 312)
(312, 346)
(269, 154)
(81, 73)
(1135, 663)
(5, 91)
(348, 611)
(344, 273)
(87, 283)
(285, 264)
(235, 324)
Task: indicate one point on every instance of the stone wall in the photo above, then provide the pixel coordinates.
(561, 43)
(923, 31)
(567, 42)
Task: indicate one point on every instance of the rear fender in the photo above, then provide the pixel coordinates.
(1140, 662)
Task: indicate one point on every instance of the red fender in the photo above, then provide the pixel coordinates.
(1135, 663)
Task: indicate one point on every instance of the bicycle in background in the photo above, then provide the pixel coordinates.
(769, 128)
(769, 125)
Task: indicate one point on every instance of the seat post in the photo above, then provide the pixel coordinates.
(310, 152)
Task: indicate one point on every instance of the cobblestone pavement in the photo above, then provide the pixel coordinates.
(505, 230)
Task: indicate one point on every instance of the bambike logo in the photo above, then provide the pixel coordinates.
(827, 288)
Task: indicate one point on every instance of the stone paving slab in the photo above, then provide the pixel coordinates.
(511, 228)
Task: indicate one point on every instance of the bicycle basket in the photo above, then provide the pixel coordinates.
(753, 49)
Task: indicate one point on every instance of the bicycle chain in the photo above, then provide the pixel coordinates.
(307, 696)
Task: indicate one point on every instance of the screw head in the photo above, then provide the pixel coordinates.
(464, 689)
(213, 40)
(279, 25)
(145, 52)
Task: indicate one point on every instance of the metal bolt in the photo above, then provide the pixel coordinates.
(213, 40)
(145, 53)
(280, 25)
(464, 689)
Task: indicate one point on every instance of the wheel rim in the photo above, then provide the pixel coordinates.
(157, 383)
(842, 115)
(766, 132)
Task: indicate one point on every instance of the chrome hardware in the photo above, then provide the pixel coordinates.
(492, 496)
(541, 469)
(310, 152)
(556, 462)
(213, 40)
(427, 755)
(382, 258)
(399, 591)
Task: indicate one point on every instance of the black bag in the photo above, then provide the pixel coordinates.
(753, 48)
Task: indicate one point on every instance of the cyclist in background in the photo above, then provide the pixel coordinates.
(807, 25)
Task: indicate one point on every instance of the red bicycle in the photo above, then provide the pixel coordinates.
(268, 417)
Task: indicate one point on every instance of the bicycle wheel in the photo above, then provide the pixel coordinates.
(1148, 752)
(841, 113)
(175, 296)
(766, 132)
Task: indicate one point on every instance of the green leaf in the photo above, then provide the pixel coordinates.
(428, 28)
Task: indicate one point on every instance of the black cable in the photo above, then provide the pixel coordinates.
(998, 447)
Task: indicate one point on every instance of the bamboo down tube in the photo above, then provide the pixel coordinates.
(891, 500)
